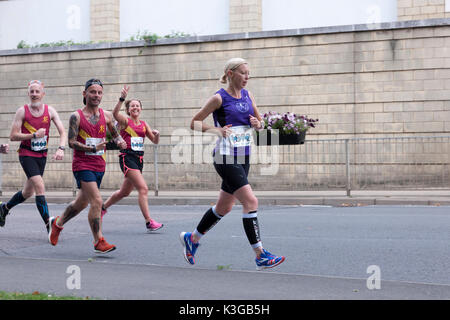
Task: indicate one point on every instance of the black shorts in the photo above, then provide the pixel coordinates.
(234, 173)
(33, 166)
(131, 161)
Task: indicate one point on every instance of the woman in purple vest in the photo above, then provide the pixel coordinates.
(235, 116)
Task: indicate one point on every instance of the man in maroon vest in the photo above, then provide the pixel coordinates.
(31, 126)
(87, 137)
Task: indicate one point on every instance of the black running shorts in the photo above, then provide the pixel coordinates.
(129, 161)
(33, 166)
(234, 173)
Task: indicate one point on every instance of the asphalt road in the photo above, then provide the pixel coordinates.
(331, 252)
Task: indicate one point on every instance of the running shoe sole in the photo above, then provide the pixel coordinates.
(259, 268)
(103, 252)
(153, 230)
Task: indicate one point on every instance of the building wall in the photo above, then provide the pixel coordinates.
(423, 9)
(383, 81)
(105, 20)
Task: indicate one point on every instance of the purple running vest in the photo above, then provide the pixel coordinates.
(235, 112)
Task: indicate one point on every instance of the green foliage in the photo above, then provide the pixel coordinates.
(152, 37)
(226, 267)
(22, 44)
(36, 295)
(146, 36)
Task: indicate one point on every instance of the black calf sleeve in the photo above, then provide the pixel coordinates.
(251, 227)
(42, 206)
(209, 220)
(15, 200)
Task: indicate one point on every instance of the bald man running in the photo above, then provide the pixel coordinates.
(31, 126)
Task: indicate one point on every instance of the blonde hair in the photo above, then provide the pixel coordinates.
(232, 65)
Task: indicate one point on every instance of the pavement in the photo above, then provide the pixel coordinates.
(433, 197)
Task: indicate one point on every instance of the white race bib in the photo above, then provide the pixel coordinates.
(137, 143)
(241, 136)
(92, 142)
(39, 144)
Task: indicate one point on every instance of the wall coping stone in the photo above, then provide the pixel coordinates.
(236, 36)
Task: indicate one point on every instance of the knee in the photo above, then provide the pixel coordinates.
(96, 203)
(251, 203)
(143, 190)
(27, 193)
(224, 209)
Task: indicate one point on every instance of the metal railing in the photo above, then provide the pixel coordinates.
(414, 162)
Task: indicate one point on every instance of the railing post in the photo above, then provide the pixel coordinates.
(347, 168)
(155, 165)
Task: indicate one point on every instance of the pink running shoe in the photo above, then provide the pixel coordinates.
(153, 225)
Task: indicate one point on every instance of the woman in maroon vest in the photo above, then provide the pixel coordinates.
(133, 131)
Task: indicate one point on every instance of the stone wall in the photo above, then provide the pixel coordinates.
(383, 80)
(105, 20)
(421, 9)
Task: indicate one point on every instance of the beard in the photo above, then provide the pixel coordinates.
(36, 104)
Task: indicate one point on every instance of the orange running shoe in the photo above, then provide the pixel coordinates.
(103, 247)
(54, 231)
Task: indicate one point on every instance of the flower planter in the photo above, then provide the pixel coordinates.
(265, 138)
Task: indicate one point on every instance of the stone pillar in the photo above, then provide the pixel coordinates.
(422, 9)
(245, 15)
(105, 20)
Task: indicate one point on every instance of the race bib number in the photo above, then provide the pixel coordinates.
(137, 143)
(241, 136)
(93, 142)
(39, 144)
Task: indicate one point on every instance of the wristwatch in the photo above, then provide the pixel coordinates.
(62, 148)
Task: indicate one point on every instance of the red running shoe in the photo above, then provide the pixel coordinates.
(54, 231)
(103, 247)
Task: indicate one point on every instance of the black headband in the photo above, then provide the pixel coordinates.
(91, 82)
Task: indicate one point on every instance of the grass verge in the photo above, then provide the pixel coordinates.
(36, 295)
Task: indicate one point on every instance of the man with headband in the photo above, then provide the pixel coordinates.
(87, 137)
(31, 126)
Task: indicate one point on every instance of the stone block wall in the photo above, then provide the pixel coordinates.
(421, 9)
(245, 15)
(105, 20)
(387, 80)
